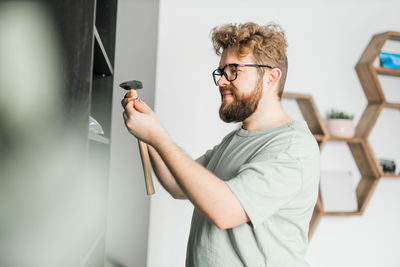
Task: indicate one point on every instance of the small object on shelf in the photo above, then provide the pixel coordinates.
(94, 126)
(389, 60)
(340, 124)
(388, 166)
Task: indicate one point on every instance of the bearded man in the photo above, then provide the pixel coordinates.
(254, 193)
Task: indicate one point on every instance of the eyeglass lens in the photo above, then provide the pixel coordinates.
(229, 71)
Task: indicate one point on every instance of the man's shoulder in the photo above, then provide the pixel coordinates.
(228, 137)
(303, 145)
(295, 139)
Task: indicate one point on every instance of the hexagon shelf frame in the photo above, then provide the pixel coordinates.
(368, 75)
(365, 161)
(359, 148)
(359, 145)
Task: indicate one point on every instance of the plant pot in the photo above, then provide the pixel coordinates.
(340, 127)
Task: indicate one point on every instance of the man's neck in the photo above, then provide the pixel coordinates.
(269, 115)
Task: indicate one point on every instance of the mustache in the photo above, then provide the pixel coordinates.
(229, 88)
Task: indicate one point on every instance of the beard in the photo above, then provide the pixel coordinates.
(242, 106)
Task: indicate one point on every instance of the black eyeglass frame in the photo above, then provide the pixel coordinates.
(222, 71)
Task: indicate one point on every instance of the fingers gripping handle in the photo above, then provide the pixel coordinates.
(144, 154)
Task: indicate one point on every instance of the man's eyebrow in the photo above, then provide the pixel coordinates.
(222, 66)
(227, 64)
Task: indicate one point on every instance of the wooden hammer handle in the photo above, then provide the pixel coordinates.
(144, 154)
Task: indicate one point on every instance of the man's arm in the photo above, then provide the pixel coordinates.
(207, 192)
(164, 175)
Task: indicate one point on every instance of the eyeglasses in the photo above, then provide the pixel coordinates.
(230, 71)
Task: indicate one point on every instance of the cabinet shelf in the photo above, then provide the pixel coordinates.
(102, 64)
(99, 138)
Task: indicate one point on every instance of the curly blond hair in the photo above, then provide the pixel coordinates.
(266, 43)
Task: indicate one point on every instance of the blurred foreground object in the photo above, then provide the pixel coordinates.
(43, 177)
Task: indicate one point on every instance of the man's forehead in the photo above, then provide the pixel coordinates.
(231, 57)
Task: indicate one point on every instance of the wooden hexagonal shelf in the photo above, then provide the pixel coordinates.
(359, 146)
(368, 75)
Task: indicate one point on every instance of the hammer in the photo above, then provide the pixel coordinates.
(144, 153)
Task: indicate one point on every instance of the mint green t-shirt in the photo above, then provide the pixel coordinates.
(275, 175)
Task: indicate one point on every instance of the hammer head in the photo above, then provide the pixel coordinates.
(131, 85)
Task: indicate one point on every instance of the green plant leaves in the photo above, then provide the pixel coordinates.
(335, 114)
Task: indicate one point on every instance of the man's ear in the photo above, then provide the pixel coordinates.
(273, 76)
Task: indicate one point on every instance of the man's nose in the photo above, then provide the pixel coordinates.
(223, 81)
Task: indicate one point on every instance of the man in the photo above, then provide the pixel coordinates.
(254, 193)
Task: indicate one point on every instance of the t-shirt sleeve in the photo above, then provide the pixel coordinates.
(264, 185)
(205, 159)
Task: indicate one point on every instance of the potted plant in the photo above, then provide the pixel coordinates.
(340, 124)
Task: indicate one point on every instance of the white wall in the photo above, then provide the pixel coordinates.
(128, 209)
(326, 39)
